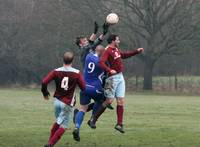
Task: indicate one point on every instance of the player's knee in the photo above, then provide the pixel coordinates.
(109, 101)
(83, 108)
(120, 101)
(64, 126)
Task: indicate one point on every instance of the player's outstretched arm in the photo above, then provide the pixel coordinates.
(128, 54)
(105, 28)
(101, 37)
(94, 34)
(45, 82)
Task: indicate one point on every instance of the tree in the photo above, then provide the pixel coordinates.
(35, 33)
(162, 27)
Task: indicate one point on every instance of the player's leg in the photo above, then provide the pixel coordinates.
(120, 94)
(104, 98)
(84, 101)
(55, 126)
(109, 106)
(120, 114)
(99, 112)
(80, 116)
(74, 115)
(90, 107)
(109, 92)
(99, 98)
(95, 108)
(78, 121)
(63, 120)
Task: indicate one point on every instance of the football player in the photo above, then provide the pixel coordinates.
(115, 84)
(66, 79)
(93, 76)
(88, 45)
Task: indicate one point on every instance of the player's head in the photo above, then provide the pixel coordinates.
(99, 50)
(114, 40)
(82, 41)
(68, 58)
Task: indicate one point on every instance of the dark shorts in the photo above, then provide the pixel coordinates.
(91, 93)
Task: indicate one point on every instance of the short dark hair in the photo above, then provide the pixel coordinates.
(78, 40)
(111, 37)
(68, 57)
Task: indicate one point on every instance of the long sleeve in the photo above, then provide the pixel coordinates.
(103, 60)
(45, 82)
(128, 54)
(96, 43)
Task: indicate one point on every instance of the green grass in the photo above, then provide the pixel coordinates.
(185, 84)
(150, 120)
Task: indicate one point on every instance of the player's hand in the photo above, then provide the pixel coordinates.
(101, 37)
(105, 28)
(46, 97)
(140, 50)
(96, 27)
(112, 72)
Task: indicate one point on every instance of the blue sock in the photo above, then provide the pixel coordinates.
(95, 108)
(79, 119)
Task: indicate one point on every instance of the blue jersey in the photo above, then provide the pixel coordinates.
(85, 50)
(93, 74)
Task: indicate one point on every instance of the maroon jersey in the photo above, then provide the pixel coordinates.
(113, 56)
(66, 80)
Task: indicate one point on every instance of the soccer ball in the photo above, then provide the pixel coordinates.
(112, 18)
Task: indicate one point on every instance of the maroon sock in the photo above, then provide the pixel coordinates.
(120, 112)
(56, 136)
(54, 128)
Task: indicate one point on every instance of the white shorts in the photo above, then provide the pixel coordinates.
(63, 113)
(115, 86)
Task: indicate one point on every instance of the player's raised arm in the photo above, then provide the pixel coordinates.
(94, 34)
(128, 54)
(45, 82)
(101, 37)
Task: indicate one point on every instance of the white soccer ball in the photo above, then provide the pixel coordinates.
(112, 18)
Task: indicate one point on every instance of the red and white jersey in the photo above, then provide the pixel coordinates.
(66, 80)
(113, 56)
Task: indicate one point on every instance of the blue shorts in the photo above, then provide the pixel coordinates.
(91, 93)
(115, 86)
(63, 113)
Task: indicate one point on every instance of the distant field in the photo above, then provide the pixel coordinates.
(185, 84)
(150, 120)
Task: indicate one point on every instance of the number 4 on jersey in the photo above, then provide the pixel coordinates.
(64, 83)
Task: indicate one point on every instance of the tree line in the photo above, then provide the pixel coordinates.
(35, 33)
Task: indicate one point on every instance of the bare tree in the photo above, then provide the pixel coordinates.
(162, 27)
(34, 33)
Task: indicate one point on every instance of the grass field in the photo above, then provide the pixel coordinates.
(150, 120)
(185, 84)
